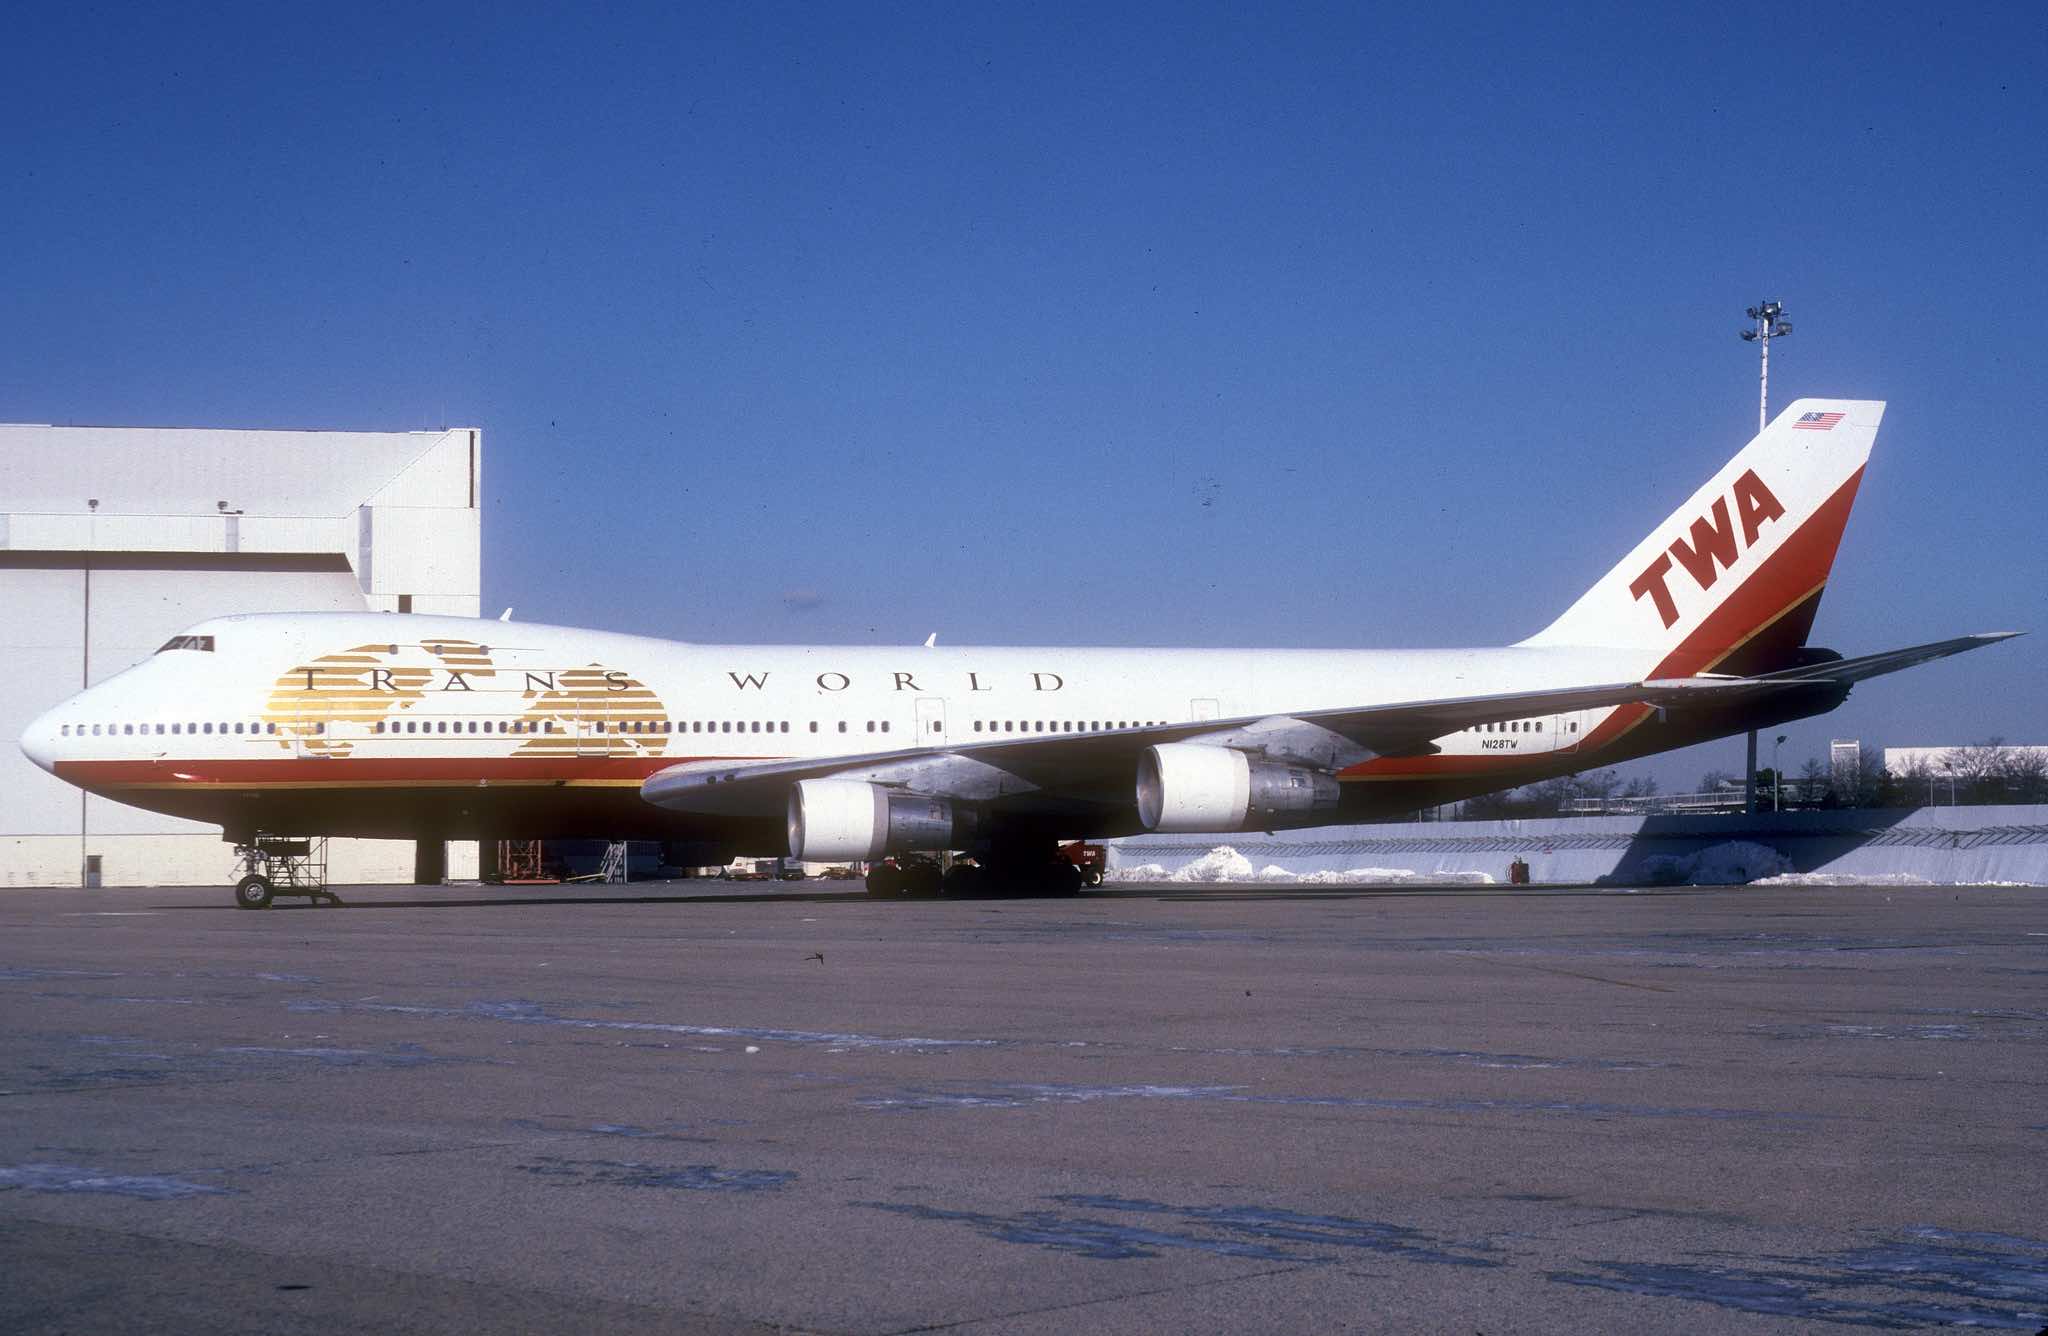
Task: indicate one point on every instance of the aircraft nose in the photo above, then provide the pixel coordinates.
(39, 739)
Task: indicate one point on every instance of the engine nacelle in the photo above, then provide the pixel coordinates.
(830, 819)
(1187, 788)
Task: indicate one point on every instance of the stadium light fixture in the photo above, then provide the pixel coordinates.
(1767, 322)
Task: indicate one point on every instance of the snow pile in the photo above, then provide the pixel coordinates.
(1385, 876)
(1222, 863)
(1734, 863)
(1225, 864)
(1843, 879)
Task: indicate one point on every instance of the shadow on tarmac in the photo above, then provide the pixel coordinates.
(1165, 893)
(493, 902)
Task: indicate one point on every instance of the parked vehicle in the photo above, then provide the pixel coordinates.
(1092, 860)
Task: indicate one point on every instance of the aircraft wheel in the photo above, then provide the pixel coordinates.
(1066, 879)
(252, 892)
(923, 881)
(885, 882)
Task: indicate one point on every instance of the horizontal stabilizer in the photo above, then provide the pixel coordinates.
(1890, 661)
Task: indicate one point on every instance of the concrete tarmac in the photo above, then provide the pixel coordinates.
(1153, 1109)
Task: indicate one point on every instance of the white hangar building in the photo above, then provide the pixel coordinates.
(112, 539)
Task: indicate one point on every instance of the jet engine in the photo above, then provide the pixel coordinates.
(1188, 788)
(849, 818)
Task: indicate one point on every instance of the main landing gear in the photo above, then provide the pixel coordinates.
(272, 867)
(999, 876)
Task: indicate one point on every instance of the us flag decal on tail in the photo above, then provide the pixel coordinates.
(1816, 421)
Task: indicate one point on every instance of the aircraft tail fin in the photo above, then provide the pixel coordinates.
(1731, 580)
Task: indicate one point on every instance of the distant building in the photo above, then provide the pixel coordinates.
(1845, 765)
(1934, 760)
(113, 539)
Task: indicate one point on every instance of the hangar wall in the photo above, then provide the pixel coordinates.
(113, 539)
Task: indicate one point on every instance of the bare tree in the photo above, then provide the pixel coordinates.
(1597, 783)
(1918, 783)
(2024, 771)
(1875, 785)
(1978, 771)
(1813, 783)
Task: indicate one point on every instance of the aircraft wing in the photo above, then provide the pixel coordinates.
(1098, 766)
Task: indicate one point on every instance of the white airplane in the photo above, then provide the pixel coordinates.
(378, 724)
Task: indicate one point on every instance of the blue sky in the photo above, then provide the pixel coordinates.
(1030, 324)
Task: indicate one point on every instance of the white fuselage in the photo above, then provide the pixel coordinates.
(333, 687)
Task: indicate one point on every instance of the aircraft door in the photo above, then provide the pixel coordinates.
(931, 721)
(1562, 736)
(592, 738)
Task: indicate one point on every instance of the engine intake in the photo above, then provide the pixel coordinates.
(1188, 788)
(849, 818)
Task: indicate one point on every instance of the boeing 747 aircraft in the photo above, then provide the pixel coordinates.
(381, 724)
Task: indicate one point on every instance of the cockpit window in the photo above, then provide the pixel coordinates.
(189, 642)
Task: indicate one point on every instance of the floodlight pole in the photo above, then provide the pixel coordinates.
(1769, 317)
(1770, 323)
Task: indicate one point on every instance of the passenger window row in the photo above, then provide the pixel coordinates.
(1520, 726)
(159, 730)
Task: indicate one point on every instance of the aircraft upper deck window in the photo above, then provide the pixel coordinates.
(189, 642)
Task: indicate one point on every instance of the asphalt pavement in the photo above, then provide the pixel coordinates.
(1151, 1109)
